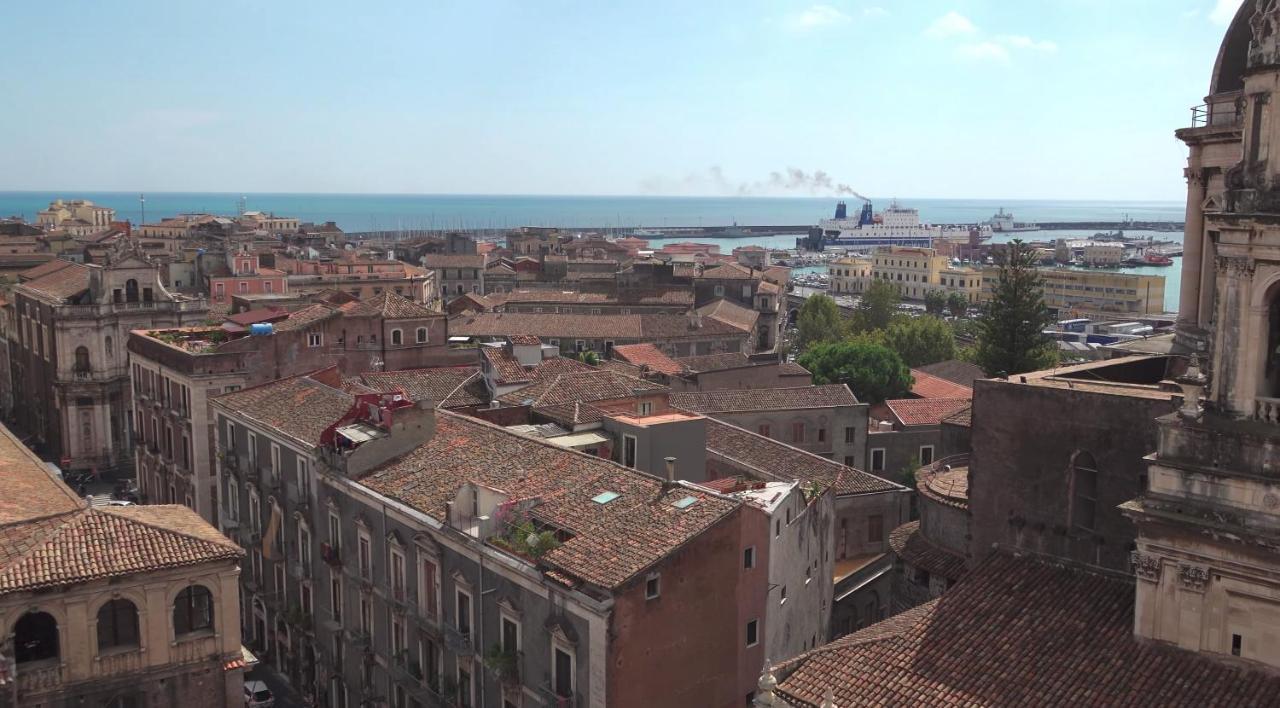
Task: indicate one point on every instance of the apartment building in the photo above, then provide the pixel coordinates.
(405, 555)
(69, 361)
(759, 290)
(175, 371)
(913, 271)
(243, 274)
(825, 420)
(115, 606)
(361, 277)
(1072, 293)
(457, 273)
(74, 216)
(850, 275)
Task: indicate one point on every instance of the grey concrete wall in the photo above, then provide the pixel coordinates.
(801, 561)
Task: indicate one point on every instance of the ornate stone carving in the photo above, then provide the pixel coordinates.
(1193, 577)
(1145, 567)
(1265, 47)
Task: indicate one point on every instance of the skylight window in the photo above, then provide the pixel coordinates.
(605, 497)
(685, 503)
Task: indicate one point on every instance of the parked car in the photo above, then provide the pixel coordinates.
(257, 695)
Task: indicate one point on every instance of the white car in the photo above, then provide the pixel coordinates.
(257, 695)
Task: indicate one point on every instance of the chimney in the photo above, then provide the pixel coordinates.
(671, 470)
(695, 319)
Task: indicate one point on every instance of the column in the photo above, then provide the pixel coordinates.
(1208, 283)
(1192, 242)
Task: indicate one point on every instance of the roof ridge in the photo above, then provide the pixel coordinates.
(120, 513)
(52, 533)
(816, 456)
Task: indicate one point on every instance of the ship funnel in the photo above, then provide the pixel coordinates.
(841, 210)
(868, 215)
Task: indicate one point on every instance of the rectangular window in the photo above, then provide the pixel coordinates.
(398, 641)
(397, 575)
(629, 450)
(335, 532)
(335, 595)
(749, 557)
(510, 635)
(763, 429)
(875, 528)
(253, 450)
(315, 339)
(430, 588)
(463, 608)
(926, 454)
(877, 460)
(646, 408)
(797, 432)
(465, 687)
(652, 586)
(275, 461)
(822, 434)
(303, 479)
(753, 633)
(562, 678)
(304, 548)
(850, 435)
(365, 557)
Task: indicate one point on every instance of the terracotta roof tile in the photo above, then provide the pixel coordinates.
(390, 306)
(715, 362)
(609, 544)
(925, 411)
(584, 386)
(730, 313)
(1027, 632)
(962, 417)
(771, 460)
(765, 399)
(578, 326)
(911, 545)
(955, 371)
(60, 283)
(930, 386)
(300, 406)
(506, 367)
(447, 387)
(306, 317)
(453, 260)
(647, 355)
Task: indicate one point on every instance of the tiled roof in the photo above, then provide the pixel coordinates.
(577, 326)
(910, 544)
(506, 367)
(305, 317)
(43, 269)
(777, 274)
(765, 399)
(730, 313)
(527, 340)
(647, 355)
(715, 362)
(729, 271)
(558, 365)
(609, 544)
(61, 283)
(300, 406)
(930, 386)
(391, 306)
(30, 489)
(653, 296)
(962, 417)
(790, 368)
(571, 414)
(955, 371)
(621, 367)
(447, 260)
(769, 459)
(925, 411)
(587, 386)
(446, 387)
(1020, 631)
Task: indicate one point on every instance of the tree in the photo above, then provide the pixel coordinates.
(935, 302)
(921, 340)
(1011, 336)
(877, 306)
(872, 371)
(819, 321)
(958, 304)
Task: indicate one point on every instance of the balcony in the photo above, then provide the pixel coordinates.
(1224, 111)
(457, 641)
(331, 555)
(38, 676)
(1267, 410)
(504, 664)
(117, 662)
(198, 646)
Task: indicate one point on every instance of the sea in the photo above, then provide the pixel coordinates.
(392, 212)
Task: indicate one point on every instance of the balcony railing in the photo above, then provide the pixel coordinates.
(117, 662)
(1224, 111)
(193, 647)
(40, 676)
(1267, 410)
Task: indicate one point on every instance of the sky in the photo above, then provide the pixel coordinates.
(1043, 99)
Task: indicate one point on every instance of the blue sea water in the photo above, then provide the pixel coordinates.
(371, 212)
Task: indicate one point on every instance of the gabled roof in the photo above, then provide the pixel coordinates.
(925, 411)
(715, 362)
(729, 271)
(299, 406)
(585, 387)
(955, 371)
(769, 459)
(765, 399)
(730, 313)
(647, 355)
(930, 386)
(506, 368)
(390, 306)
(306, 317)
(59, 283)
(453, 260)
(446, 386)
(1021, 631)
(609, 544)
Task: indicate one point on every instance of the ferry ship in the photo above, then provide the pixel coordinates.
(1003, 222)
(895, 226)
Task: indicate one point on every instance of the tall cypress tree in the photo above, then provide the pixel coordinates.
(1011, 336)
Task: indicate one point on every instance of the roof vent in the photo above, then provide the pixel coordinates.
(605, 497)
(684, 503)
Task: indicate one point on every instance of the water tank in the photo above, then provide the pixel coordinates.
(261, 329)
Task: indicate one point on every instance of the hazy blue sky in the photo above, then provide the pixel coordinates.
(977, 98)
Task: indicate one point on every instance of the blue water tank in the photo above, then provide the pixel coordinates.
(261, 329)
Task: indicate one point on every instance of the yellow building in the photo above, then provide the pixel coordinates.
(75, 212)
(1084, 292)
(1104, 254)
(850, 274)
(914, 271)
(962, 279)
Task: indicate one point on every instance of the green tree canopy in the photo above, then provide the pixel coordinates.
(958, 304)
(935, 302)
(877, 307)
(872, 371)
(819, 321)
(1011, 336)
(921, 340)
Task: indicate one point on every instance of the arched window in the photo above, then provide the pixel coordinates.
(131, 290)
(192, 610)
(1084, 491)
(82, 359)
(396, 337)
(35, 637)
(117, 625)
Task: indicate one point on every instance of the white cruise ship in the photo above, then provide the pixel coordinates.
(895, 226)
(1003, 222)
